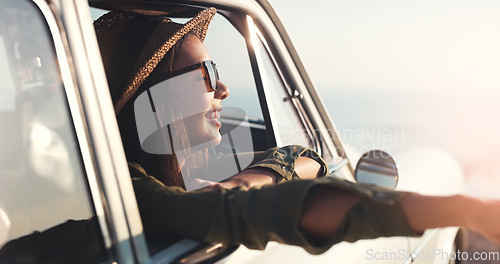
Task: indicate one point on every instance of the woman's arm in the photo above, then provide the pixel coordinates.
(313, 214)
(280, 164)
(480, 215)
(329, 207)
(306, 168)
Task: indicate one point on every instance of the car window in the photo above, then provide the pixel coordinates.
(243, 129)
(45, 205)
(161, 127)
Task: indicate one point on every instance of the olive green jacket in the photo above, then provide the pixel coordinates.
(255, 216)
(251, 217)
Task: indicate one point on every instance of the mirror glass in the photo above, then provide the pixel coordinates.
(377, 167)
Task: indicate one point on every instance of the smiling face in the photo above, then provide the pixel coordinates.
(203, 126)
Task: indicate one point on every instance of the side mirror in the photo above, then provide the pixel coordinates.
(377, 167)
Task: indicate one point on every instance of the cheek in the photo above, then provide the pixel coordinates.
(196, 103)
(206, 101)
(197, 124)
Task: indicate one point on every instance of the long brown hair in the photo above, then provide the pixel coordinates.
(165, 168)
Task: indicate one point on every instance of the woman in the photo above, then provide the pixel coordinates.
(168, 97)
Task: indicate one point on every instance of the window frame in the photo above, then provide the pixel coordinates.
(292, 95)
(71, 97)
(96, 130)
(329, 143)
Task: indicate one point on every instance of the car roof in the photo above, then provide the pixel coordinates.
(176, 8)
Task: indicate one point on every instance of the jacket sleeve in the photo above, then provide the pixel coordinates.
(255, 216)
(282, 161)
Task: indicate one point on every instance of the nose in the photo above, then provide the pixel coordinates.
(222, 91)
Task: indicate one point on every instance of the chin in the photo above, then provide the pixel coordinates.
(214, 139)
(218, 140)
(210, 139)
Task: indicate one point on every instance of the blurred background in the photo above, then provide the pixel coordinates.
(397, 75)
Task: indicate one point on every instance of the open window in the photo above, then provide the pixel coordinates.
(259, 113)
(244, 128)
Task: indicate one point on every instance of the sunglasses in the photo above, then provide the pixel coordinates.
(208, 69)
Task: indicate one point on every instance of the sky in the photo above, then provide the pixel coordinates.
(429, 68)
(452, 44)
(443, 54)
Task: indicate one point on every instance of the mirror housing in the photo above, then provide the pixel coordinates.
(377, 167)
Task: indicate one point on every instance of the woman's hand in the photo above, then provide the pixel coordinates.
(486, 219)
(307, 168)
(480, 215)
(248, 178)
(329, 208)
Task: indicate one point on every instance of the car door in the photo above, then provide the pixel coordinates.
(47, 211)
(57, 204)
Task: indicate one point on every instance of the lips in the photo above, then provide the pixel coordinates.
(214, 116)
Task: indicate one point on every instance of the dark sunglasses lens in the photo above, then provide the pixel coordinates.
(216, 72)
(212, 75)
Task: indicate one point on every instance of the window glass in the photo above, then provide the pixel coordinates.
(45, 208)
(283, 112)
(228, 49)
